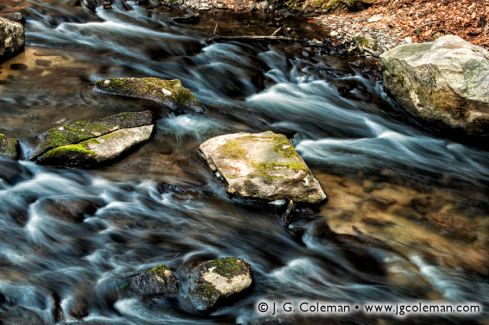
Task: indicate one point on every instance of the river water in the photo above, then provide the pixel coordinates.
(407, 217)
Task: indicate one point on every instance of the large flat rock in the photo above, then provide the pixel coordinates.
(12, 38)
(262, 166)
(445, 81)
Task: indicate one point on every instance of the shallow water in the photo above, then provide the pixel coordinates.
(388, 178)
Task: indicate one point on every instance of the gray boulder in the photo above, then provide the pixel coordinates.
(263, 166)
(216, 281)
(9, 146)
(92, 142)
(170, 93)
(12, 38)
(158, 281)
(445, 81)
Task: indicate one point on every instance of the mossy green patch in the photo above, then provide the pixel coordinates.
(70, 155)
(233, 149)
(284, 148)
(266, 171)
(228, 266)
(160, 270)
(75, 132)
(207, 291)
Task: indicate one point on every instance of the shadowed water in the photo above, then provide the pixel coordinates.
(70, 238)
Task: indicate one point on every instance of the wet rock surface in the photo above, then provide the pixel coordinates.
(443, 81)
(170, 93)
(90, 142)
(158, 281)
(9, 146)
(262, 166)
(215, 281)
(12, 38)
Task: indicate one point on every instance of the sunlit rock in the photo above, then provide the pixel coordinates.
(262, 166)
(12, 38)
(170, 93)
(9, 147)
(214, 282)
(92, 142)
(445, 81)
(158, 281)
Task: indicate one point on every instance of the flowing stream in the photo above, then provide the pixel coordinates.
(388, 178)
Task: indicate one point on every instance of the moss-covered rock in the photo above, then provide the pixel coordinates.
(262, 166)
(214, 282)
(9, 147)
(98, 150)
(444, 81)
(78, 131)
(12, 38)
(159, 281)
(170, 93)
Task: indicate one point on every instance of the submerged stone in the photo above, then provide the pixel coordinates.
(91, 142)
(170, 93)
(71, 209)
(262, 166)
(445, 81)
(9, 147)
(12, 38)
(213, 282)
(158, 281)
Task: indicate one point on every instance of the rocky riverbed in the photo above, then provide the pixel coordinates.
(156, 173)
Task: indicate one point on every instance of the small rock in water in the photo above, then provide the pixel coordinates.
(170, 93)
(9, 147)
(158, 281)
(262, 166)
(213, 282)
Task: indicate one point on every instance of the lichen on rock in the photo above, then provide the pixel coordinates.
(214, 281)
(443, 81)
(262, 166)
(9, 146)
(170, 93)
(158, 281)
